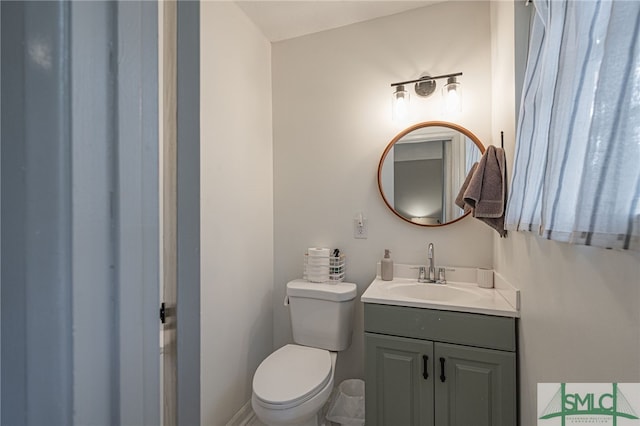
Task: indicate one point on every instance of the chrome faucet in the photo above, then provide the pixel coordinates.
(431, 275)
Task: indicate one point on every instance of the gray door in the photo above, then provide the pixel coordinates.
(79, 213)
(399, 379)
(474, 386)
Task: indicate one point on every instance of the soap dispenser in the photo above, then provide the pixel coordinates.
(386, 267)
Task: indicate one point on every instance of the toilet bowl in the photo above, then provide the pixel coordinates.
(292, 385)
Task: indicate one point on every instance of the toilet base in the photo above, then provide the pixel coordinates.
(284, 418)
(311, 422)
(298, 415)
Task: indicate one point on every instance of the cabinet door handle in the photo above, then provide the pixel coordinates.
(442, 376)
(425, 367)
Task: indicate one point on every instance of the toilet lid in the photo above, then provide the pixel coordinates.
(292, 374)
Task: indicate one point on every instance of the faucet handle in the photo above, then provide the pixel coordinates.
(422, 273)
(441, 276)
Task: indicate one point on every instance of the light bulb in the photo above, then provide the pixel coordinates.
(400, 104)
(452, 95)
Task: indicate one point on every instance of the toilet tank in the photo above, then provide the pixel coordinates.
(322, 313)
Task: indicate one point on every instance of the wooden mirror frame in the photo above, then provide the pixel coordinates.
(402, 134)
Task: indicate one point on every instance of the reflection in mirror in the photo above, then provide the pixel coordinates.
(422, 170)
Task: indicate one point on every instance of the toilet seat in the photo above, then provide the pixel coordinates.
(291, 375)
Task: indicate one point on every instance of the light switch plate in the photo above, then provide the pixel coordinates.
(360, 231)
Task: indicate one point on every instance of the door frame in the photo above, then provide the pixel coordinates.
(137, 234)
(188, 212)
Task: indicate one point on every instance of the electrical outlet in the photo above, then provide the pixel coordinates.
(360, 228)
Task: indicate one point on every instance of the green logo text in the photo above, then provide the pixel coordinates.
(613, 404)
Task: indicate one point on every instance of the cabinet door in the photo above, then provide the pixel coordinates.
(399, 381)
(477, 387)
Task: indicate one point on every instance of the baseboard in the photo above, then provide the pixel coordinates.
(244, 417)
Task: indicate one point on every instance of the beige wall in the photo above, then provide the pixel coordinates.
(236, 208)
(332, 121)
(580, 320)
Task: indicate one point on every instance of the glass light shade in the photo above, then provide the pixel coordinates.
(452, 96)
(400, 104)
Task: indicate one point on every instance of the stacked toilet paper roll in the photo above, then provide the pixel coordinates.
(317, 265)
(318, 252)
(484, 277)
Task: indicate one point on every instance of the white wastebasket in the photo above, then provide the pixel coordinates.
(347, 407)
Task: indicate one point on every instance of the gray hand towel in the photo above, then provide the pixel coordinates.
(486, 192)
(460, 198)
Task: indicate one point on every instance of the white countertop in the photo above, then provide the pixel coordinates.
(454, 296)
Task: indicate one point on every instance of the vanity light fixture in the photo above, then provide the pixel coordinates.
(400, 104)
(424, 87)
(452, 95)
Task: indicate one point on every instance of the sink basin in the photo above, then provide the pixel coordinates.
(453, 296)
(434, 292)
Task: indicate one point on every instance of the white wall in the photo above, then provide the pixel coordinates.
(580, 320)
(332, 121)
(503, 112)
(236, 208)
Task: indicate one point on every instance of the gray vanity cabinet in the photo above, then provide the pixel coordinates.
(398, 381)
(479, 387)
(439, 368)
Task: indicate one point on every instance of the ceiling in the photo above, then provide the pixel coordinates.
(281, 20)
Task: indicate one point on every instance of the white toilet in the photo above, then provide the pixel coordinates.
(292, 384)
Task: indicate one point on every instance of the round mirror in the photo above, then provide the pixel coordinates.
(422, 170)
